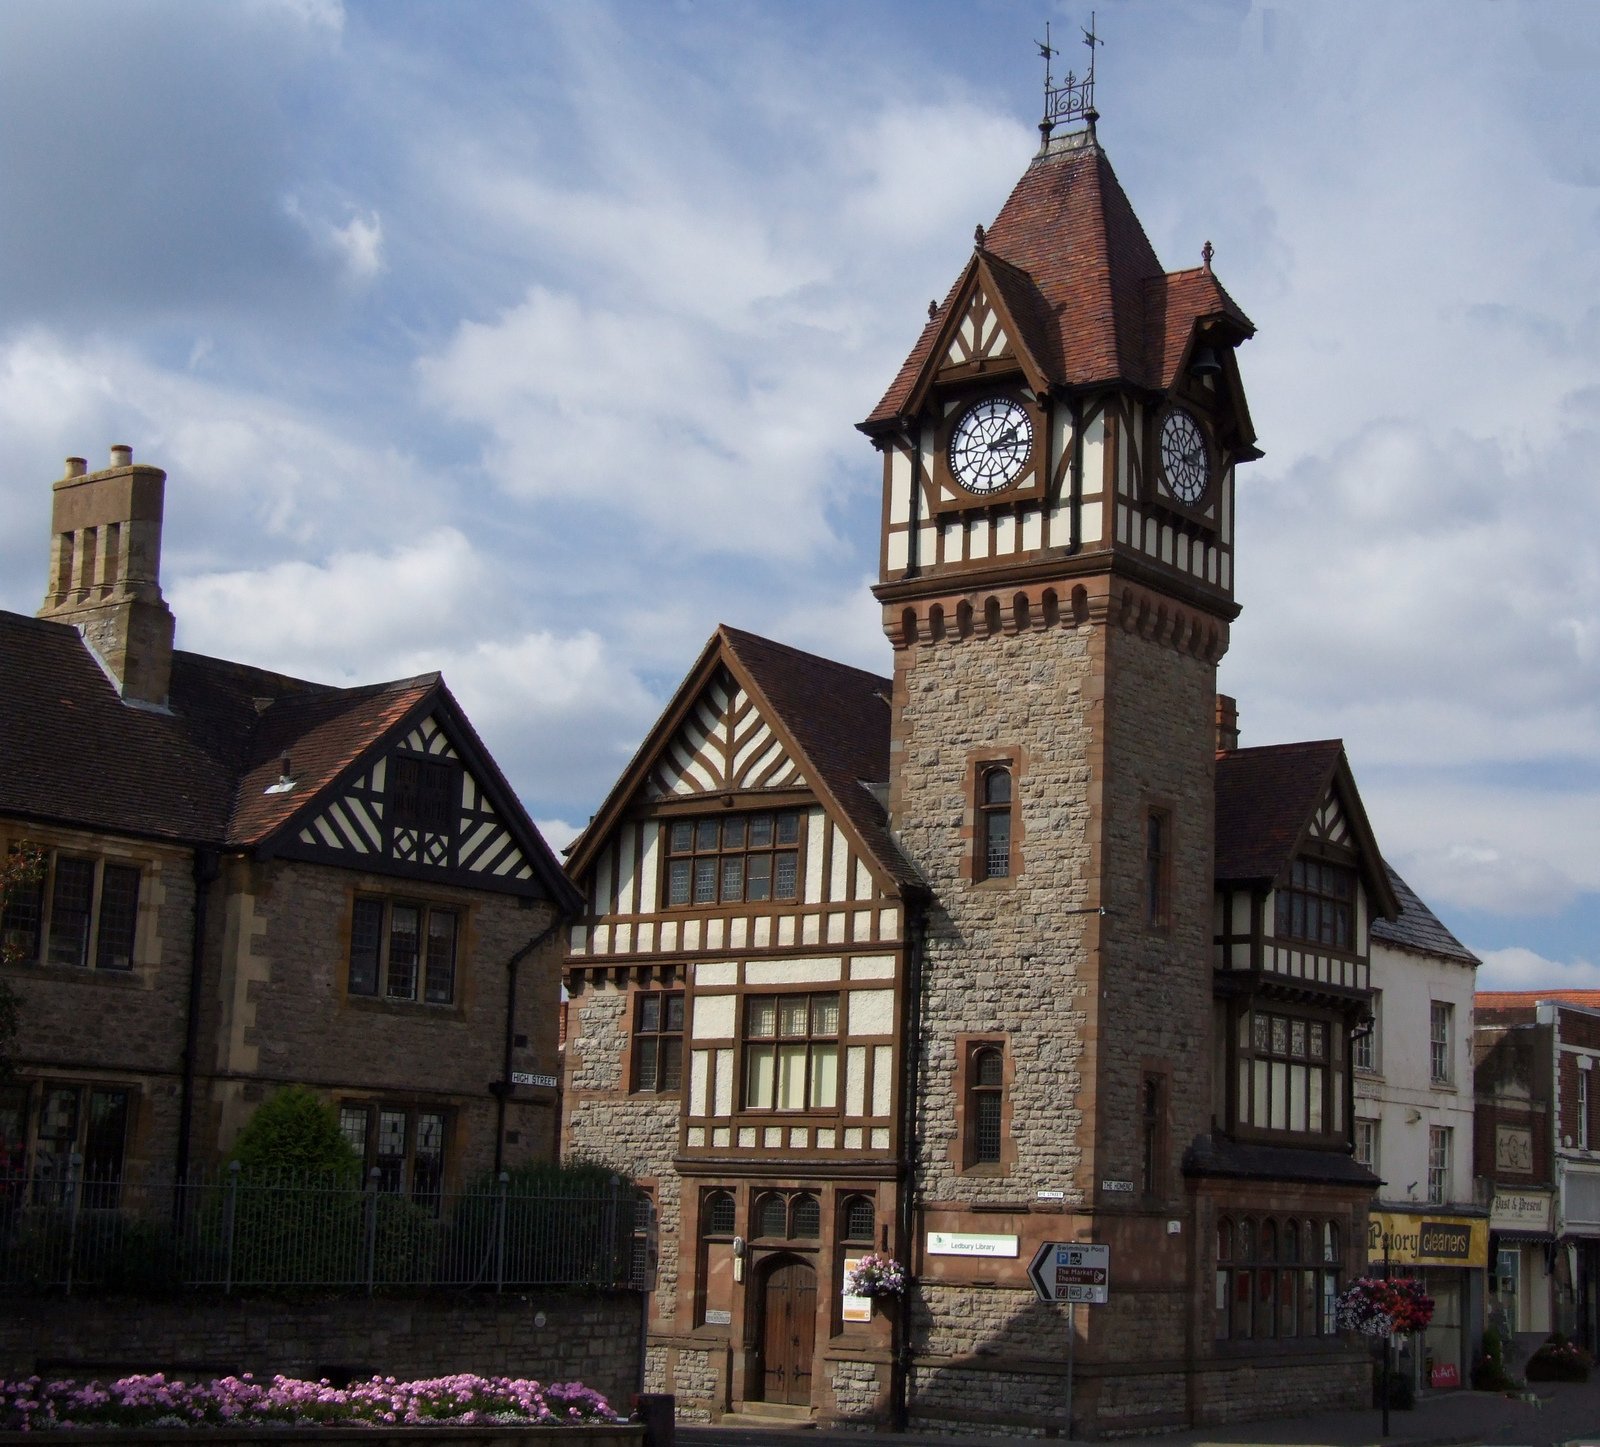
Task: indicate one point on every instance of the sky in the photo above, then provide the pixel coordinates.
(525, 342)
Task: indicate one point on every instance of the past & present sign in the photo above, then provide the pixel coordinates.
(1406, 1239)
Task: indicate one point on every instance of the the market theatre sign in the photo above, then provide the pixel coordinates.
(1406, 1238)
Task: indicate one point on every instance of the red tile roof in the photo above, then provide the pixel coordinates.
(1526, 999)
(1078, 273)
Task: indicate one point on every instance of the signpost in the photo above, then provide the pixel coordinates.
(1071, 1271)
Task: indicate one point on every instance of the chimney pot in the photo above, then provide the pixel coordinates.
(121, 454)
(76, 467)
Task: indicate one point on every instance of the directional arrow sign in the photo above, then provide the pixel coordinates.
(1071, 1271)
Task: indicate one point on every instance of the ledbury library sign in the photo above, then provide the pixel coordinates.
(1405, 1238)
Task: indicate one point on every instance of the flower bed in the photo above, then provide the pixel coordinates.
(157, 1404)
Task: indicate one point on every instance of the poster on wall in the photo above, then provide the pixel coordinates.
(856, 1308)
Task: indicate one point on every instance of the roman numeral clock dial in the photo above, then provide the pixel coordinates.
(991, 445)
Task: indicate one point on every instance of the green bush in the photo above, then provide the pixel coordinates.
(294, 1131)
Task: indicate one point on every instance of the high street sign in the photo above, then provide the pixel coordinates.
(1071, 1271)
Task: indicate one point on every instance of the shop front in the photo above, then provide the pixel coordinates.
(1449, 1254)
(1522, 1284)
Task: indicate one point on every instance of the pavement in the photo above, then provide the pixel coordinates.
(1559, 1414)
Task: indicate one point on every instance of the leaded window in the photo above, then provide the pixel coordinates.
(733, 858)
(658, 1041)
(791, 1052)
(398, 949)
(1318, 904)
(77, 911)
(994, 823)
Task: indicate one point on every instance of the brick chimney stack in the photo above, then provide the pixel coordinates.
(1227, 724)
(105, 571)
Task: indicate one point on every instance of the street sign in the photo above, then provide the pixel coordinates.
(1071, 1271)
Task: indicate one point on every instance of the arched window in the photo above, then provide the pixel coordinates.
(986, 1069)
(860, 1220)
(807, 1218)
(994, 823)
(717, 1218)
(772, 1216)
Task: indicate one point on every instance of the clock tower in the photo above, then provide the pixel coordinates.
(1056, 573)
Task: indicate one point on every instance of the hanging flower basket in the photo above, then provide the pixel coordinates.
(875, 1277)
(1377, 1307)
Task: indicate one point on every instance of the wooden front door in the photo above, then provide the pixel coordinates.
(788, 1331)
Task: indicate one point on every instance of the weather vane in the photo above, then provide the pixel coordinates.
(1073, 99)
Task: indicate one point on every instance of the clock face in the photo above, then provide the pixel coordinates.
(991, 445)
(1185, 458)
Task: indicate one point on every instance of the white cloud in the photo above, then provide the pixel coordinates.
(1521, 969)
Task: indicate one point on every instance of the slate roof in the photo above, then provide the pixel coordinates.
(1418, 928)
(1217, 1156)
(73, 753)
(1264, 798)
(1083, 283)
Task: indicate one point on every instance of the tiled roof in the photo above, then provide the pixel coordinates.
(1527, 999)
(839, 717)
(1215, 1156)
(1418, 928)
(1078, 273)
(75, 754)
(1265, 796)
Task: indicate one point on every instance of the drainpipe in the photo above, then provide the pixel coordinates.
(910, 1085)
(503, 1087)
(207, 865)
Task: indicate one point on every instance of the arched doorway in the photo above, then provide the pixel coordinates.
(788, 1330)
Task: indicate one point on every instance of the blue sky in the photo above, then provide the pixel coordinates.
(525, 341)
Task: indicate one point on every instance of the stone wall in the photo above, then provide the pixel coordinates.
(592, 1338)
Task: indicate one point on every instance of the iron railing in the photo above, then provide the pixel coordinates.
(65, 1229)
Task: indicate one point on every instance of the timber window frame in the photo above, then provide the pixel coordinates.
(59, 1134)
(1289, 1073)
(80, 912)
(1441, 1151)
(1368, 1141)
(405, 951)
(1441, 1042)
(1316, 904)
(995, 804)
(405, 1144)
(792, 1054)
(424, 794)
(983, 1146)
(1276, 1277)
(658, 1017)
(739, 857)
(1366, 1049)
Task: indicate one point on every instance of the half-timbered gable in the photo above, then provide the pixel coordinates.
(1299, 884)
(251, 880)
(735, 985)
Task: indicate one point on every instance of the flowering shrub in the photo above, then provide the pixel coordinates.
(1559, 1360)
(1374, 1306)
(876, 1275)
(33, 1404)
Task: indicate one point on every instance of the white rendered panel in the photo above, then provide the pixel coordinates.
(811, 930)
(836, 929)
(863, 881)
(927, 536)
(899, 486)
(852, 1138)
(880, 1138)
(715, 972)
(714, 1016)
(625, 871)
(861, 926)
(855, 1080)
(955, 537)
(815, 824)
(763, 932)
(1032, 530)
(786, 929)
(978, 538)
(871, 1012)
(650, 871)
(699, 1079)
(897, 556)
(839, 880)
(888, 923)
(624, 941)
(882, 1079)
(714, 929)
(1005, 540)
(872, 967)
(1092, 523)
(738, 930)
(603, 874)
(724, 1077)
(696, 1135)
(747, 1137)
(794, 972)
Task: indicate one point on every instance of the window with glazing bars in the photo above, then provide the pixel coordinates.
(77, 911)
(1318, 904)
(791, 1052)
(733, 858)
(1439, 1014)
(405, 1145)
(994, 824)
(658, 1042)
(985, 1093)
(1438, 1164)
(397, 948)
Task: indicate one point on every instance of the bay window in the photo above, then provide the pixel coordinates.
(791, 1052)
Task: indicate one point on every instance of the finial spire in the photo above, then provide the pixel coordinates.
(977, 236)
(1206, 253)
(1073, 100)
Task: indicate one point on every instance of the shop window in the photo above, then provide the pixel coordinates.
(406, 1146)
(658, 1042)
(733, 858)
(398, 949)
(78, 911)
(791, 1052)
